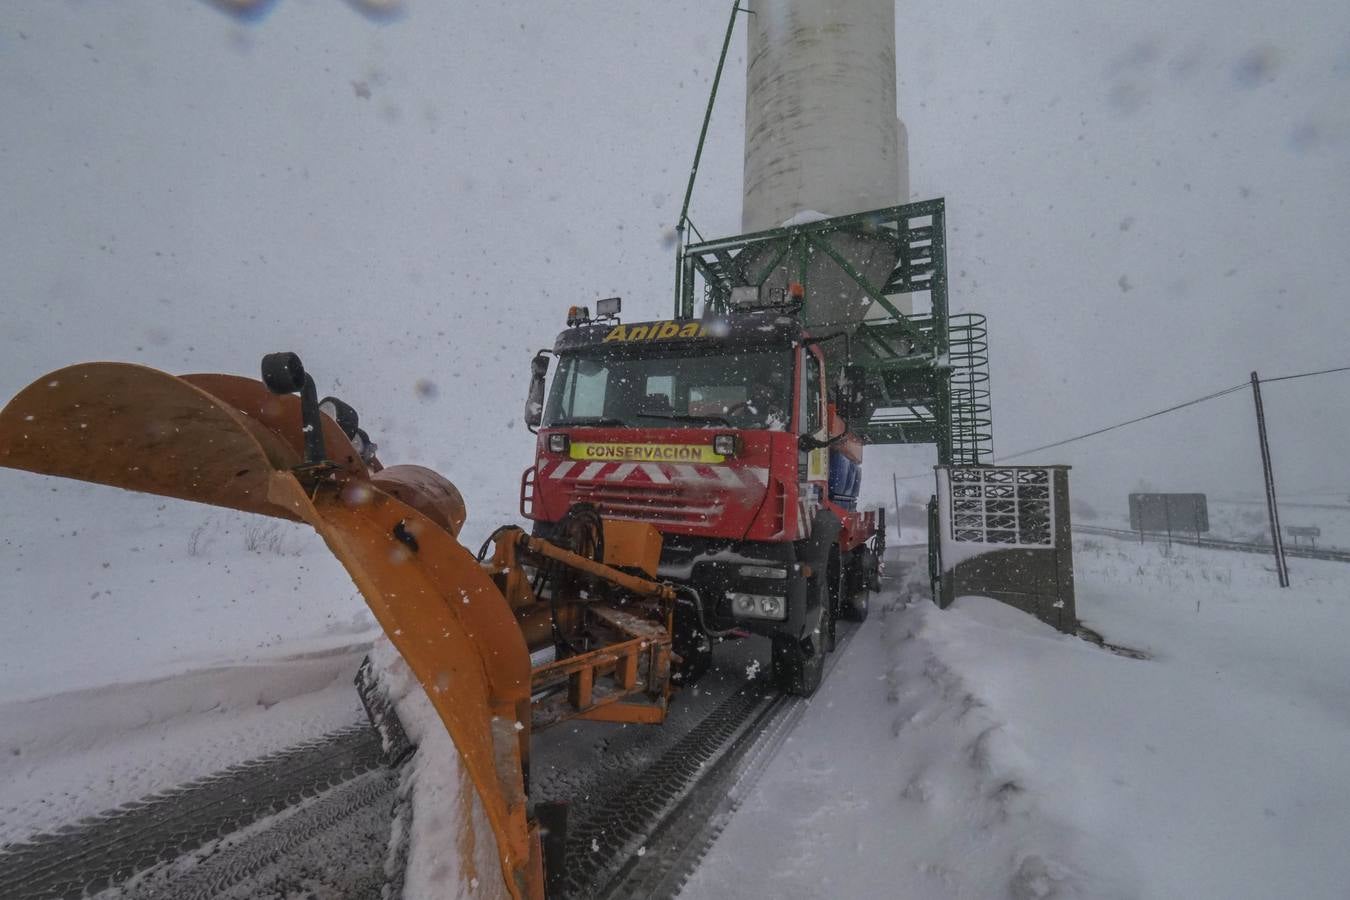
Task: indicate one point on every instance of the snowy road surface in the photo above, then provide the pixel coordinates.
(80, 753)
(977, 753)
(159, 838)
(149, 642)
(971, 752)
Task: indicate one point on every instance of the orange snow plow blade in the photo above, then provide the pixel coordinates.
(137, 428)
(231, 442)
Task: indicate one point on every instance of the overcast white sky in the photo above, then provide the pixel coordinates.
(1146, 198)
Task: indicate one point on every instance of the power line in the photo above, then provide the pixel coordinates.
(1152, 415)
(1162, 412)
(1307, 374)
(1213, 396)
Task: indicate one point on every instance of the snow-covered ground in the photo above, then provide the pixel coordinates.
(1246, 520)
(102, 585)
(157, 644)
(966, 753)
(978, 753)
(362, 192)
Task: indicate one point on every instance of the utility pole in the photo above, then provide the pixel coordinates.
(895, 490)
(680, 311)
(1281, 567)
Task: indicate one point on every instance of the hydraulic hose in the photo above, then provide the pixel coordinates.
(698, 611)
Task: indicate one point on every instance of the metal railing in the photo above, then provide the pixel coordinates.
(1216, 543)
(972, 432)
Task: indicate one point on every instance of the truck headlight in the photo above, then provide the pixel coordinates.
(757, 606)
(724, 444)
(557, 443)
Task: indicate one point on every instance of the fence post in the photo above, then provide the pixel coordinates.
(1272, 507)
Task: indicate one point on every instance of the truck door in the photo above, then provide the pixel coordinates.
(813, 465)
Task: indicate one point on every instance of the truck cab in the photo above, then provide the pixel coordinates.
(720, 433)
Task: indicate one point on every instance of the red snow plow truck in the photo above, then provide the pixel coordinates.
(722, 433)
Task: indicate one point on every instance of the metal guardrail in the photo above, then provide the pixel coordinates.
(1218, 543)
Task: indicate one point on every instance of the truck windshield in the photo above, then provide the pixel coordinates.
(673, 387)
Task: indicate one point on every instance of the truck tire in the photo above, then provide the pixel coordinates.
(799, 664)
(797, 670)
(856, 608)
(836, 585)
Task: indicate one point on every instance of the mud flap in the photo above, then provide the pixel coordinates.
(815, 552)
(861, 570)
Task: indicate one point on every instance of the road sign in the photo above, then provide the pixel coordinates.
(1169, 513)
(1297, 532)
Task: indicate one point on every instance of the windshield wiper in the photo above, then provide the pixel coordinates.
(679, 417)
(602, 421)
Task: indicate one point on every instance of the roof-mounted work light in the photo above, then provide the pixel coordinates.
(749, 297)
(745, 296)
(608, 308)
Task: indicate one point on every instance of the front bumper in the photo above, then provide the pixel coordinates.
(717, 570)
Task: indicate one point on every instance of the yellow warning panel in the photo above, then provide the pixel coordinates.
(673, 453)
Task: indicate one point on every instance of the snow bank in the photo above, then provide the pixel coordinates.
(978, 753)
(898, 783)
(1221, 768)
(451, 850)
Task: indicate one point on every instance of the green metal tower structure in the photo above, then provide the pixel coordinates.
(921, 377)
(918, 378)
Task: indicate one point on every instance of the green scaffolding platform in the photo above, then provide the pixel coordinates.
(878, 281)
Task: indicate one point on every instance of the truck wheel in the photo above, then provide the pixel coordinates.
(858, 606)
(853, 605)
(796, 669)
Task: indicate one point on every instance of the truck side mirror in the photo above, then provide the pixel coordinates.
(811, 442)
(534, 404)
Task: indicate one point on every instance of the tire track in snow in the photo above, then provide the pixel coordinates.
(334, 844)
(97, 853)
(678, 840)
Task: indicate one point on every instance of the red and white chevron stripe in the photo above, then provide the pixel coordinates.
(735, 478)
